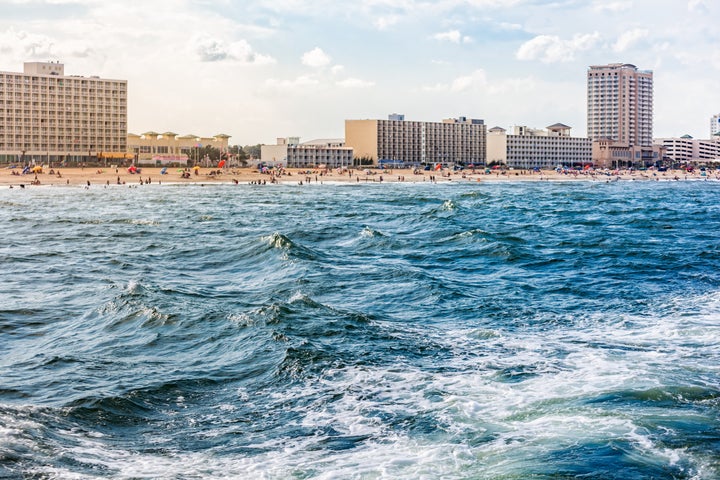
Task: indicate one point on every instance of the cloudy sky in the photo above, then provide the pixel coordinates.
(258, 70)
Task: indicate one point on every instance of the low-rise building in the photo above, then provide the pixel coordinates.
(169, 148)
(608, 153)
(529, 148)
(687, 149)
(321, 153)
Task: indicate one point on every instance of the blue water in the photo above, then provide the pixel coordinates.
(405, 331)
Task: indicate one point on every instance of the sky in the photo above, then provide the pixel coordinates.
(258, 70)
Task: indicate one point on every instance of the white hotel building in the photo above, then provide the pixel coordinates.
(322, 153)
(687, 149)
(715, 125)
(527, 147)
(47, 116)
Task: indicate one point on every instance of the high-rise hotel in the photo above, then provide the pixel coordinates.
(620, 103)
(620, 115)
(46, 116)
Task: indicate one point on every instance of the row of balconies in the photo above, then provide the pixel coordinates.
(62, 139)
(28, 123)
(388, 134)
(87, 101)
(60, 113)
(61, 99)
(60, 147)
(60, 133)
(9, 87)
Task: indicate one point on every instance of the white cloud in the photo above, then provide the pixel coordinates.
(453, 36)
(698, 5)
(336, 69)
(299, 83)
(382, 23)
(316, 58)
(551, 48)
(21, 46)
(614, 6)
(628, 38)
(355, 83)
(214, 50)
(30, 45)
(461, 84)
(510, 26)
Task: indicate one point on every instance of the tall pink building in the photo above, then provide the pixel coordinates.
(620, 104)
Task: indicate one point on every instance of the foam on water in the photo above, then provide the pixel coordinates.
(426, 331)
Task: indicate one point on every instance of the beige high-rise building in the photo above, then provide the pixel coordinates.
(620, 104)
(397, 141)
(49, 117)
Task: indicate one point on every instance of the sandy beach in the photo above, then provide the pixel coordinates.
(90, 176)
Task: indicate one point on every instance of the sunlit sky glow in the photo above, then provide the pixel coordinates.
(257, 70)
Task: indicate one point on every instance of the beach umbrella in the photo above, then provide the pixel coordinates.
(163, 171)
(221, 164)
(196, 167)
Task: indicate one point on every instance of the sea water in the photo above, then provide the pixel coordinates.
(406, 331)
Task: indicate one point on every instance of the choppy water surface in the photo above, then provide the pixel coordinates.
(361, 331)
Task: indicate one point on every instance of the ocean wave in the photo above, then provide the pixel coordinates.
(493, 331)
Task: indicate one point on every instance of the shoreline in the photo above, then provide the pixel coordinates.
(89, 176)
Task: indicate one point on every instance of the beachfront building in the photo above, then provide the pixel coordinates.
(454, 141)
(608, 153)
(169, 148)
(620, 116)
(48, 117)
(321, 153)
(620, 103)
(715, 125)
(528, 148)
(687, 149)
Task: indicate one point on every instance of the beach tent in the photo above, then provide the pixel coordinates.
(163, 171)
(37, 169)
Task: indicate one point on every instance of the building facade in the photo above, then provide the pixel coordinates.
(715, 125)
(620, 104)
(607, 153)
(52, 118)
(528, 148)
(687, 149)
(169, 148)
(321, 153)
(397, 141)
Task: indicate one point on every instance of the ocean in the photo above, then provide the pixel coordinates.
(398, 331)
